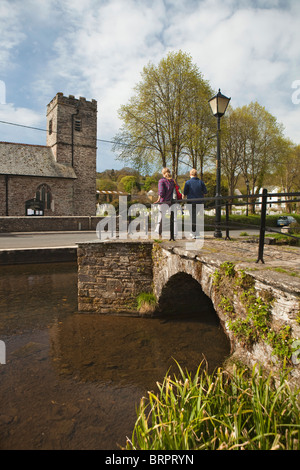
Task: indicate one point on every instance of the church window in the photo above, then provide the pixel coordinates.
(43, 194)
(50, 127)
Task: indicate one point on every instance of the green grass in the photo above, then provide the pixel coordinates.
(281, 239)
(146, 302)
(242, 220)
(221, 411)
(284, 271)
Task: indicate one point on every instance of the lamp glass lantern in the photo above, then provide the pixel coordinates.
(218, 104)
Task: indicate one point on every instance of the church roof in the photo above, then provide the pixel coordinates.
(31, 160)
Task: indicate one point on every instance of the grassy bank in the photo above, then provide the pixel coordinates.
(221, 411)
(241, 221)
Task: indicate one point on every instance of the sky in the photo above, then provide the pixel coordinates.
(98, 48)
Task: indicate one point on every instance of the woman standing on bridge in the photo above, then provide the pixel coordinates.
(166, 188)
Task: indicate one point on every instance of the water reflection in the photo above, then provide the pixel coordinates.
(72, 381)
(131, 351)
(33, 296)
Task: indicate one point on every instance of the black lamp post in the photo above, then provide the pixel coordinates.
(218, 104)
(247, 184)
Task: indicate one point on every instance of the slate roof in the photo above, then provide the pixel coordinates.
(31, 160)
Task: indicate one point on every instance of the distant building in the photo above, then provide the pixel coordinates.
(274, 203)
(59, 178)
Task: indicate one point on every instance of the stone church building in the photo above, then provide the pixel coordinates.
(58, 179)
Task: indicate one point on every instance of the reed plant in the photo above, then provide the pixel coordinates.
(220, 411)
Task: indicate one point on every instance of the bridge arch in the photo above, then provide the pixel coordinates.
(182, 295)
(167, 265)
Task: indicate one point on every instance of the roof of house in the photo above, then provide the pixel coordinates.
(31, 160)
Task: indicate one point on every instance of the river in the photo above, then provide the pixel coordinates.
(73, 381)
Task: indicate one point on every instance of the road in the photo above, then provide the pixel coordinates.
(23, 240)
(14, 241)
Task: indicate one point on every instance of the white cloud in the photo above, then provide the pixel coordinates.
(22, 117)
(98, 48)
(10, 34)
(103, 56)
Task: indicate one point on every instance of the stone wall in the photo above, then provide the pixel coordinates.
(23, 188)
(47, 224)
(36, 255)
(112, 274)
(75, 148)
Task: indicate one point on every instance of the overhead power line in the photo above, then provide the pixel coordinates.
(112, 142)
(54, 132)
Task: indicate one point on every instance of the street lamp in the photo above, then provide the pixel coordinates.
(247, 184)
(218, 104)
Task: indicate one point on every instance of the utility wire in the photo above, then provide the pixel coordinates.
(56, 132)
(97, 140)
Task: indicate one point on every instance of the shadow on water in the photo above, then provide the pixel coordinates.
(72, 381)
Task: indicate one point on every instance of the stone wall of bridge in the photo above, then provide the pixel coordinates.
(111, 274)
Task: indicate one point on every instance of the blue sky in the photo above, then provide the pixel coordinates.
(98, 48)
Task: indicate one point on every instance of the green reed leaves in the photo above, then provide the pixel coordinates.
(219, 411)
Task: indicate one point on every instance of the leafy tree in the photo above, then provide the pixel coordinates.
(161, 120)
(288, 167)
(252, 146)
(128, 183)
(126, 171)
(232, 148)
(260, 139)
(106, 185)
(200, 125)
(287, 170)
(209, 179)
(150, 183)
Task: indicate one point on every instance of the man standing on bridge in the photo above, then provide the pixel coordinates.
(194, 188)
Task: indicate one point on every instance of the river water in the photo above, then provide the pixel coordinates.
(73, 381)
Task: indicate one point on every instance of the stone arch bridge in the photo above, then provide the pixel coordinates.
(112, 274)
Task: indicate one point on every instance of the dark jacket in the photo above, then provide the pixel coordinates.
(194, 188)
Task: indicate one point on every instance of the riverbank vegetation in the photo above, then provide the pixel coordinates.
(241, 409)
(146, 303)
(255, 323)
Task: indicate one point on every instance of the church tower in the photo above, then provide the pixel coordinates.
(72, 136)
